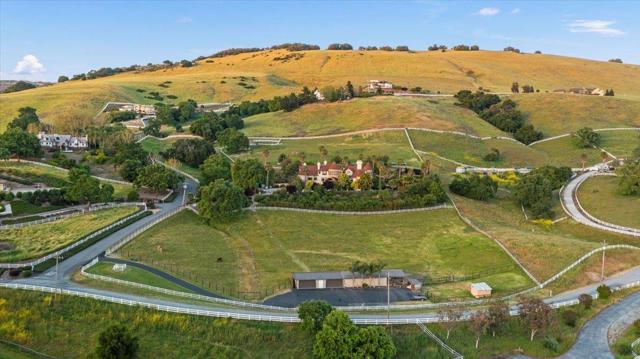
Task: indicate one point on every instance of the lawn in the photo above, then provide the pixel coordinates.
(600, 198)
(155, 146)
(368, 113)
(133, 274)
(556, 114)
(563, 152)
(188, 248)
(38, 240)
(620, 143)
(53, 177)
(471, 151)
(261, 250)
(390, 143)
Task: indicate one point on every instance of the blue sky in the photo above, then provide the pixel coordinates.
(40, 40)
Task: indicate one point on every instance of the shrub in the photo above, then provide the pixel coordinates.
(475, 186)
(26, 273)
(570, 317)
(14, 272)
(604, 292)
(636, 325)
(551, 343)
(586, 300)
(133, 196)
(624, 349)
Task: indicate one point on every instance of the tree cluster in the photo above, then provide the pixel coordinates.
(220, 200)
(609, 92)
(19, 86)
(82, 188)
(512, 49)
(337, 46)
(475, 186)
(233, 140)
(121, 116)
(27, 120)
(463, 47)
(586, 137)
(157, 178)
(55, 197)
(211, 124)
(191, 151)
(436, 47)
(535, 190)
(286, 46)
(629, 179)
(16, 142)
(616, 60)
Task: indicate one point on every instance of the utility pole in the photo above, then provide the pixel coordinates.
(604, 243)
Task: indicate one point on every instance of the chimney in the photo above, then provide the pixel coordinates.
(318, 166)
(359, 164)
(325, 162)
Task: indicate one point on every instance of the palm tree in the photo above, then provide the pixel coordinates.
(583, 159)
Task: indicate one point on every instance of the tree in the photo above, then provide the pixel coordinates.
(186, 110)
(527, 134)
(216, 167)
(350, 91)
(629, 179)
(449, 318)
(585, 300)
(192, 151)
(117, 342)
(586, 137)
(312, 313)
(363, 183)
(208, 126)
(248, 174)
(19, 86)
(157, 178)
(63, 78)
(475, 186)
(26, 116)
(130, 151)
(129, 169)
(19, 143)
(165, 114)
(186, 63)
(337, 338)
(604, 292)
(233, 140)
(374, 342)
(498, 314)
(535, 314)
(493, 156)
(343, 182)
(479, 322)
(83, 188)
(535, 192)
(220, 201)
(152, 128)
(515, 88)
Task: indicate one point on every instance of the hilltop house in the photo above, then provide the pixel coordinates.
(377, 86)
(583, 91)
(323, 172)
(63, 142)
(138, 108)
(319, 96)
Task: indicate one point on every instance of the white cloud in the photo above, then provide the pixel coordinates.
(29, 65)
(184, 20)
(488, 11)
(515, 11)
(602, 27)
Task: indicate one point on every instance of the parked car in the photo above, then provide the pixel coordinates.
(418, 297)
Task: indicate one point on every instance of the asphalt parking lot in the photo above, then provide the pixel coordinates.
(341, 297)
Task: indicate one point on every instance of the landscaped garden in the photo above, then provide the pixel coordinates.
(38, 240)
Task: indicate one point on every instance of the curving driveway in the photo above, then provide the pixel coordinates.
(572, 207)
(593, 340)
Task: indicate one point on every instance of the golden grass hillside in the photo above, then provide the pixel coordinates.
(216, 80)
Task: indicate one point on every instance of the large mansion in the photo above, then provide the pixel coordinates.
(378, 86)
(322, 172)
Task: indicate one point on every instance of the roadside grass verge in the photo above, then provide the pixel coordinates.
(368, 113)
(627, 337)
(472, 151)
(52, 177)
(600, 198)
(133, 274)
(38, 240)
(390, 143)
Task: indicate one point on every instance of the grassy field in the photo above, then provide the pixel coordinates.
(133, 274)
(41, 173)
(600, 198)
(155, 146)
(261, 250)
(620, 143)
(562, 152)
(186, 247)
(543, 251)
(38, 240)
(472, 151)
(556, 114)
(76, 102)
(391, 143)
(368, 113)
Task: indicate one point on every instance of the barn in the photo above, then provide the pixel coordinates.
(345, 279)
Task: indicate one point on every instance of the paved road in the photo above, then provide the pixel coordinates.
(571, 207)
(593, 340)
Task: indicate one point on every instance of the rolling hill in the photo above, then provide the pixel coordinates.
(269, 73)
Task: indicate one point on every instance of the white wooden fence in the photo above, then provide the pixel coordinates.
(62, 251)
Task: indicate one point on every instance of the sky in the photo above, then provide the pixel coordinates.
(40, 40)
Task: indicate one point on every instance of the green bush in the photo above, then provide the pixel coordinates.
(551, 343)
(586, 300)
(604, 292)
(624, 349)
(570, 317)
(26, 273)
